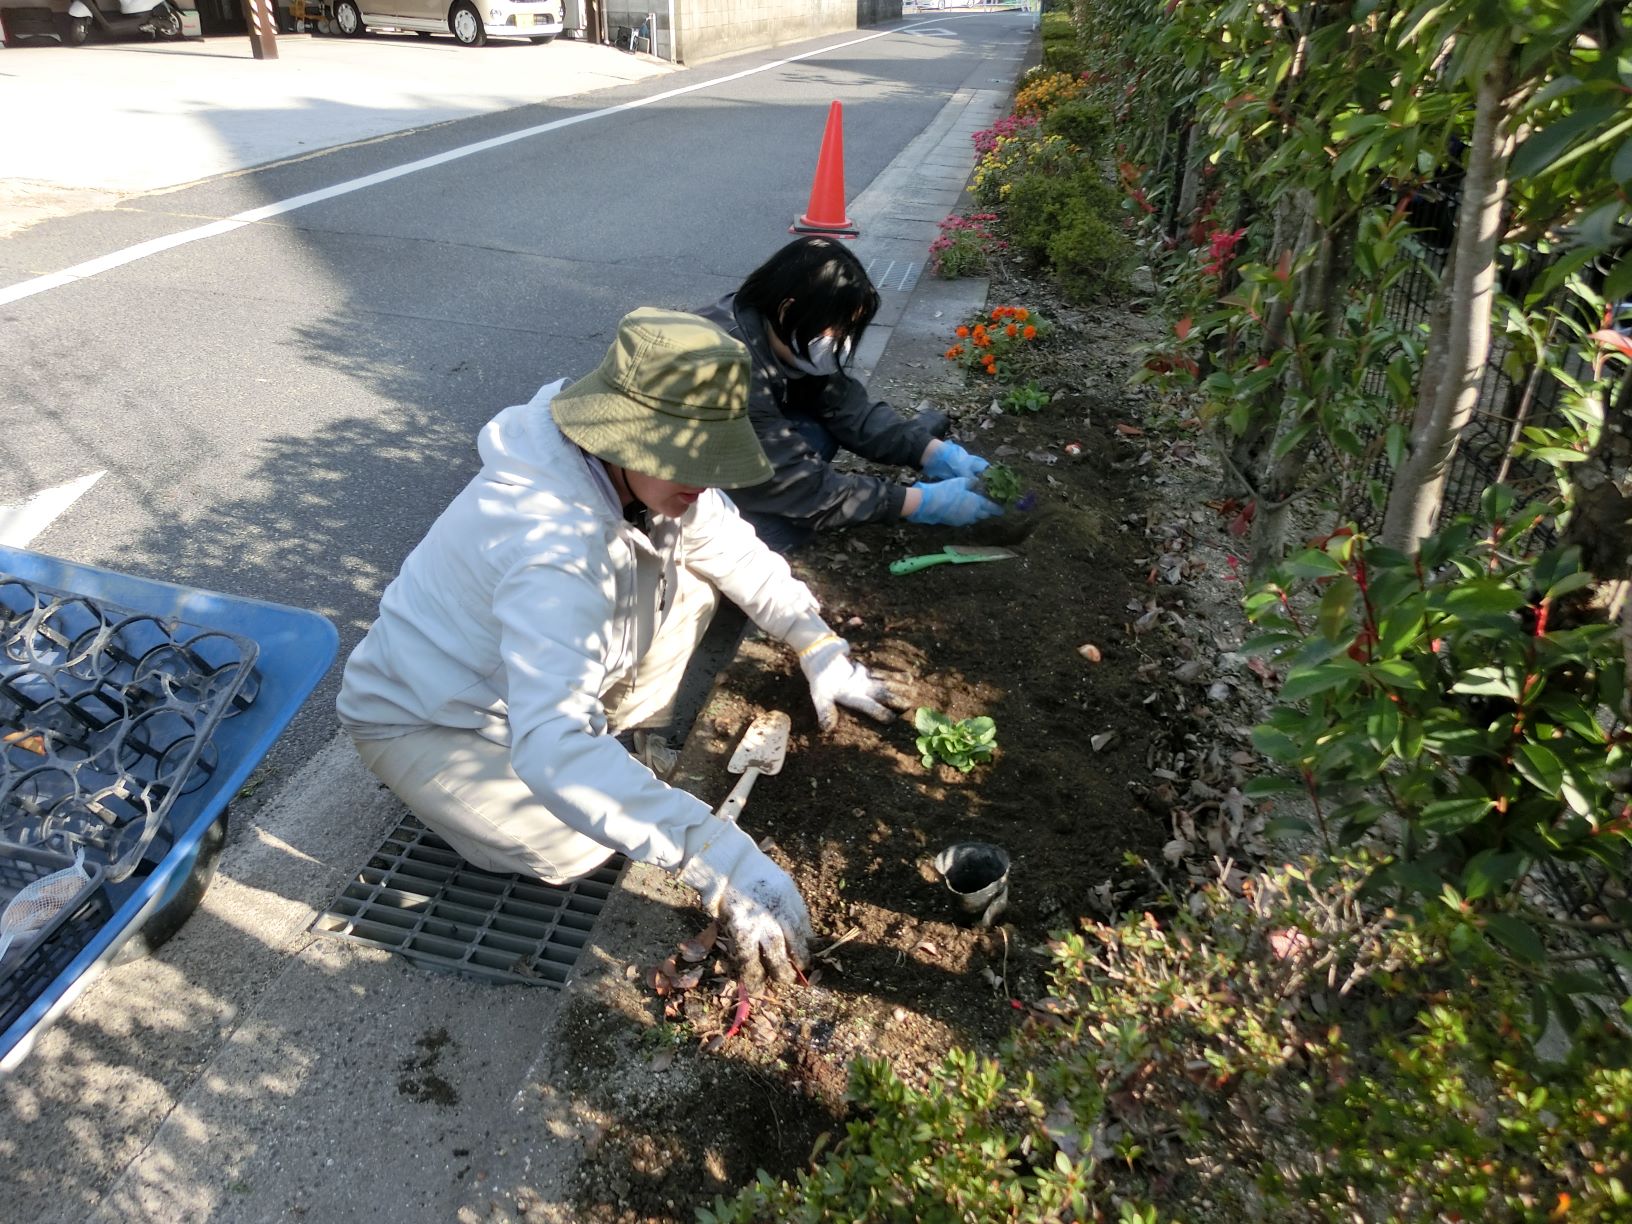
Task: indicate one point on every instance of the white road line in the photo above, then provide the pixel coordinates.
(20, 524)
(155, 246)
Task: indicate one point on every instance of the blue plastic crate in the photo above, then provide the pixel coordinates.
(296, 648)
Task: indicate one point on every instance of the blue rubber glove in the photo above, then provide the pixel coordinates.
(948, 461)
(952, 503)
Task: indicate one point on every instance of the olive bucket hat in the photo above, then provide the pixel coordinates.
(669, 400)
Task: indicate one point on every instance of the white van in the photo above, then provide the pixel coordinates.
(472, 22)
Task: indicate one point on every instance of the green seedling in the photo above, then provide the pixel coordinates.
(962, 745)
(1001, 484)
(1029, 398)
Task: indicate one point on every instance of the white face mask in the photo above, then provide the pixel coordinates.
(826, 356)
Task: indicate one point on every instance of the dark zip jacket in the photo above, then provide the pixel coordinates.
(806, 488)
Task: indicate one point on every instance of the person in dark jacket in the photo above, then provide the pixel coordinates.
(802, 314)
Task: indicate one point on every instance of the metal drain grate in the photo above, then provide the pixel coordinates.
(417, 897)
(897, 275)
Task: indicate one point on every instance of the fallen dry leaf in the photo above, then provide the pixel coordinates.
(1129, 431)
(699, 945)
(690, 979)
(28, 741)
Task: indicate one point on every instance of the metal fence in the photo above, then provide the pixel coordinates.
(1485, 451)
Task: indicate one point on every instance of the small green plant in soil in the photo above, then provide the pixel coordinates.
(962, 744)
(1029, 398)
(1001, 484)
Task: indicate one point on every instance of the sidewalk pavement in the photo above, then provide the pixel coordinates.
(112, 119)
(252, 1072)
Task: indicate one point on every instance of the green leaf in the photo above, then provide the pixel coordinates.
(1394, 440)
(1569, 712)
(1539, 766)
(1517, 936)
(1620, 169)
(1481, 595)
(1618, 284)
(1443, 732)
(1546, 146)
(1288, 442)
(1409, 744)
(1383, 724)
(1313, 563)
(1493, 681)
(1301, 683)
(1336, 605)
(1449, 815)
(1490, 872)
(1287, 826)
(1397, 674)
(1568, 583)
(1575, 795)
(1414, 878)
(1276, 745)
(928, 721)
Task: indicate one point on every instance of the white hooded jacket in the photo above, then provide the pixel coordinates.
(529, 599)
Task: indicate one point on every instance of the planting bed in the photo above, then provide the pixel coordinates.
(683, 1113)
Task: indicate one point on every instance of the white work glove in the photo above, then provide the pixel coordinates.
(756, 903)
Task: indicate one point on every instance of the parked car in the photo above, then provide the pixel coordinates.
(472, 22)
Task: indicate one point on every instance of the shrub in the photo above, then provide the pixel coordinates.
(1043, 91)
(1091, 258)
(1038, 204)
(1010, 125)
(1267, 1051)
(1081, 123)
(964, 247)
(1062, 51)
(1452, 706)
(1023, 152)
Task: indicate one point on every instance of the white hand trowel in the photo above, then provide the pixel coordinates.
(761, 751)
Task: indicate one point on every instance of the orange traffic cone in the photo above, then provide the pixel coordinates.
(825, 214)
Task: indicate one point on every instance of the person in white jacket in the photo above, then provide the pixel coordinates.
(554, 604)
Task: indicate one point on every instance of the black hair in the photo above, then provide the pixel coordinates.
(825, 288)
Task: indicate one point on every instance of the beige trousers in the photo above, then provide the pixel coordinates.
(461, 785)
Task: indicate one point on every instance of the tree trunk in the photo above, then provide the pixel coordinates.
(1419, 484)
(1246, 457)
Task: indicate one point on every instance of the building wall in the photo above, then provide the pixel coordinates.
(711, 28)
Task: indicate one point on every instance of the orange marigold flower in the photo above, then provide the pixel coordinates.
(1030, 333)
(1011, 331)
(983, 341)
(997, 314)
(951, 354)
(962, 332)
(1022, 314)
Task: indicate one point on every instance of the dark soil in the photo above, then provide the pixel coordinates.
(857, 819)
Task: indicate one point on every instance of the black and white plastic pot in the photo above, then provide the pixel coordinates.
(977, 876)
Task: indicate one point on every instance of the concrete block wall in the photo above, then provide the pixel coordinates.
(707, 29)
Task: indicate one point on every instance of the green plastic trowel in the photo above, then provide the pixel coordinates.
(955, 554)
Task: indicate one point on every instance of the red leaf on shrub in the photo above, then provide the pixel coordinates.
(1181, 329)
(1283, 269)
(1611, 340)
(1242, 522)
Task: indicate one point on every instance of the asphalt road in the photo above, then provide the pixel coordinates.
(283, 409)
